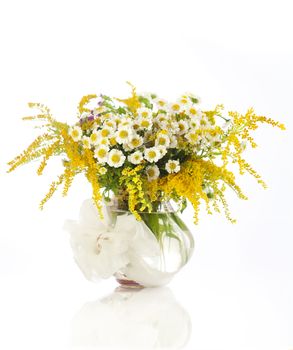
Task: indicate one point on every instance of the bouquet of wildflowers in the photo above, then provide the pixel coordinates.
(146, 150)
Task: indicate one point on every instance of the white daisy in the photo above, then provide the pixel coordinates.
(152, 172)
(125, 122)
(145, 123)
(172, 166)
(94, 138)
(102, 170)
(135, 141)
(205, 123)
(183, 126)
(123, 134)
(103, 141)
(112, 141)
(105, 131)
(76, 133)
(116, 158)
(192, 111)
(192, 97)
(194, 122)
(162, 150)
(152, 154)
(110, 123)
(163, 125)
(86, 142)
(135, 158)
(193, 137)
(213, 136)
(144, 113)
(184, 101)
(161, 118)
(175, 107)
(162, 140)
(161, 103)
(101, 153)
(173, 128)
(136, 124)
(173, 141)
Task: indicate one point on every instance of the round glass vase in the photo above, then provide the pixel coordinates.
(165, 245)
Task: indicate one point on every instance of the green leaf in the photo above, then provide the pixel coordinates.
(145, 101)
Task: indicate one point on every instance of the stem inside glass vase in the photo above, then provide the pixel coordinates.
(166, 243)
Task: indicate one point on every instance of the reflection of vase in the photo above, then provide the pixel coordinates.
(132, 319)
(146, 252)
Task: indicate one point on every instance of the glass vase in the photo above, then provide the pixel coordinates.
(145, 250)
(166, 245)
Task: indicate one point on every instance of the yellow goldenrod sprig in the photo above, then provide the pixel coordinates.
(33, 151)
(132, 102)
(68, 178)
(92, 174)
(84, 101)
(52, 190)
(133, 182)
(48, 152)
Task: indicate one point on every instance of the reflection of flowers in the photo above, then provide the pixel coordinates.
(127, 319)
(101, 249)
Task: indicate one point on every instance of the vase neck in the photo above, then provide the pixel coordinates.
(120, 202)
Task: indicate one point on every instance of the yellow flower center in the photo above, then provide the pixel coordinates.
(123, 134)
(152, 154)
(161, 103)
(113, 141)
(162, 141)
(151, 172)
(75, 133)
(110, 124)
(192, 111)
(193, 136)
(105, 132)
(145, 123)
(94, 137)
(144, 114)
(102, 153)
(176, 107)
(135, 142)
(115, 158)
(181, 127)
(172, 166)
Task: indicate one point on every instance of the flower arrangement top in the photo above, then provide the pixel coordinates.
(146, 150)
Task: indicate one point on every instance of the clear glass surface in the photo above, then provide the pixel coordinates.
(169, 245)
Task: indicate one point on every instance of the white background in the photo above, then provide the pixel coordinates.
(236, 292)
